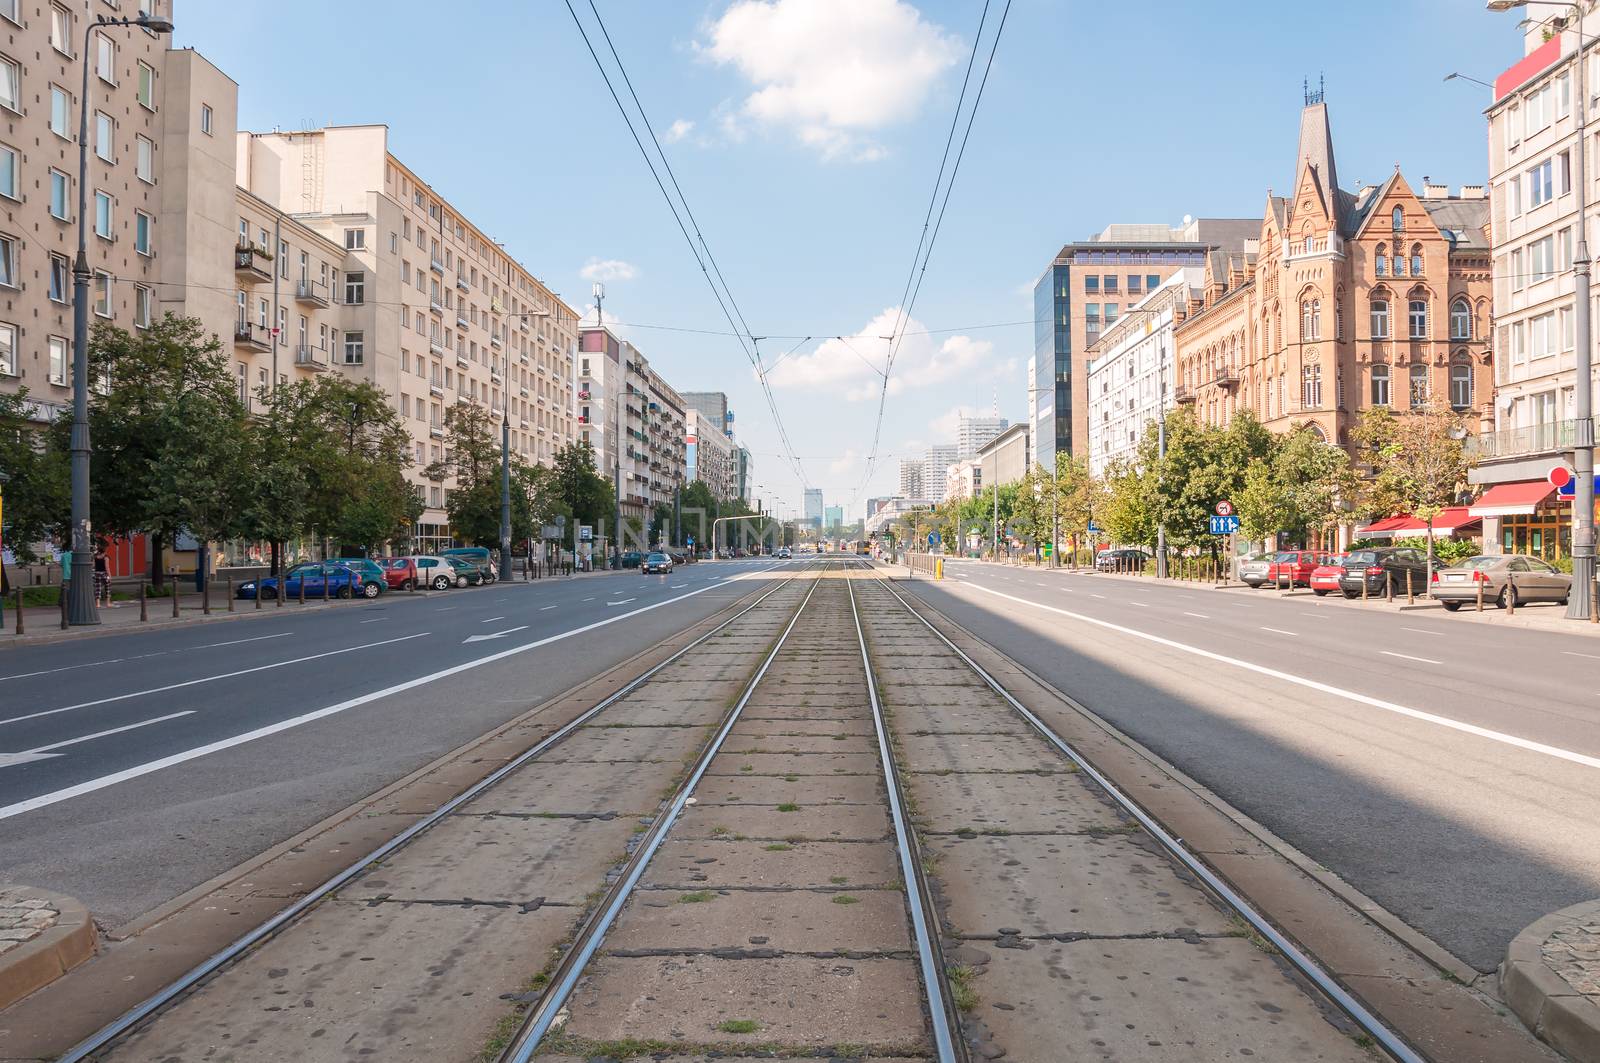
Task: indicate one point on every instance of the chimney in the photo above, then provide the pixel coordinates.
(1473, 192)
(1434, 191)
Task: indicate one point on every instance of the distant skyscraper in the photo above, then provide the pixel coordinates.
(973, 432)
(911, 477)
(940, 457)
(833, 516)
(814, 505)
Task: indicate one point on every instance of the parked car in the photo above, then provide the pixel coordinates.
(1253, 569)
(374, 581)
(1294, 567)
(1121, 560)
(1325, 577)
(678, 557)
(468, 571)
(632, 558)
(340, 581)
(656, 563)
(1381, 567)
(1505, 578)
(437, 572)
(479, 556)
(783, 553)
(400, 573)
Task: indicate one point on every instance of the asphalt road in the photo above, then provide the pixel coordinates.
(1447, 769)
(134, 767)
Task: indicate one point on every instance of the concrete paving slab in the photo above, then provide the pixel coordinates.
(738, 743)
(1152, 1001)
(598, 744)
(752, 788)
(750, 726)
(664, 711)
(967, 752)
(1067, 884)
(799, 764)
(391, 981)
(622, 786)
(956, 717)
(799, 921)
(695, 865)
(501, 858)
(1061, 804)
(800, 1002)
(824, 822)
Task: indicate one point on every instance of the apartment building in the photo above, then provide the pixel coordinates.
(710, 455)
(713, 409)
(41, 76)
(1007, 457)
(911, 483)
(973, 432)
(1530, 428)
(599, 384)
(940, 457)
(1082, 292)
(433, 310)
(653, 430)
(1132, 369)
(1353, 300)
(963, 480)
(744, 470)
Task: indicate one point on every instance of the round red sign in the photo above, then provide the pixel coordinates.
(1224, 509)
(1559, 476)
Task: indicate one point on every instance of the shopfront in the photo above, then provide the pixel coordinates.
(1527, 518)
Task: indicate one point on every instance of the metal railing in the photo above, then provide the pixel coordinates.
(1531, 439)
(307, 357)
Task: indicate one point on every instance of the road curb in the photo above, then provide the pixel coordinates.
(1559, 1013)
(47, 956)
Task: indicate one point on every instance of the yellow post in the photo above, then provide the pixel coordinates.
(938, 568)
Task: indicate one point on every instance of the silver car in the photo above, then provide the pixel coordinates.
(1513, 578)
(1254, 569)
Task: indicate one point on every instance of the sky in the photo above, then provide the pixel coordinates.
(806, 136)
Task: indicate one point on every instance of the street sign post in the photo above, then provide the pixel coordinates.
(1224, 525)
(586, 533)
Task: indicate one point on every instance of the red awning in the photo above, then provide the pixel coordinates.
(1383, 529)
(1503, 500)
(1446, 523)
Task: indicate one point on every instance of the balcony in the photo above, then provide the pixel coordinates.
(436, 389)
(462, 321)
(436, 347)
(251, 337)
(311, 293)
(1226, 378)
(1532, 439)
(437, 265)
(312, 358)
(252, 264)
(436, 307)
(463, 361)
(494, 341)
(1183, 393)
(1331, 244)
(436, 432)
(461, 282)
(496, 379)
(584, 394)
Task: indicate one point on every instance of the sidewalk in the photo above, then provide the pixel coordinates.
(1551, 979)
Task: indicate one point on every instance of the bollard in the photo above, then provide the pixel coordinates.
(1388, 587)
(144, 602)
(302, 590)
(176, 601)
(1511, 593)
(19, 611)
(230, 594)
(1411, 598)
(258, 591)
(1363, 588)
(1594, 604)
(325, 582)
(1479, 584)
(205, 598)
(63, 598)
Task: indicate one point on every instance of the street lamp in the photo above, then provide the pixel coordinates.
(1055, 500)
(1467, 77)
(1583, 566)
(81, 609)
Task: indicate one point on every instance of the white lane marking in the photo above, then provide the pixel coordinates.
(1100, 596)
(1040, 583)
(111, 731)
(588, 599)
(86, 664)
(546, 608)
(1408, 657)
(235, 642)
(1325, 688)
(445, 608)
(1202, 616)
(1575, 653)
(491, 620)
(495, 635)
(1141, 605)
(1280, 631)
(375, 620)
(679, 586)
(208, 679)
(624, 601)
(90, 786)
(1316, 616)
(1422, 631)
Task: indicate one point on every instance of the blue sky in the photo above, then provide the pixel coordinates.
(806, 135)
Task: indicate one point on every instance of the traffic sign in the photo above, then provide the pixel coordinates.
(1570, 488)
(1559, 476)
(1224, 508)
(1094, 529)
(933, 538)
(1225, 525)
(585, 532)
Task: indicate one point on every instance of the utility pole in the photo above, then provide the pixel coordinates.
(1583, 565)
(505, 489)
(1161, 454)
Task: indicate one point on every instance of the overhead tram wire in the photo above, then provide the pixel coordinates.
(702, 251)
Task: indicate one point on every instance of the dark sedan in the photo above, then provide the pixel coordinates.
(656, 563)
(1384, 568)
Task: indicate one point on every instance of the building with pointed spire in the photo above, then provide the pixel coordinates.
(1349, 300)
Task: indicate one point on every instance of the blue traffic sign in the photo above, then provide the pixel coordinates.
(1570, 488)
(933, 538)
(1094, 529)
(1224, 525)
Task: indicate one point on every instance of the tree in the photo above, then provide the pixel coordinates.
(34, 478)
(1419, 460)
(585, 493)
(1127, 511)
(472, 456)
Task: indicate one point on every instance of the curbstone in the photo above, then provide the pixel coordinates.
(45, 956)
(1559, 1013)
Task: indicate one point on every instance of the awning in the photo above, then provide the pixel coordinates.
(1504, 500)
(1446, 523)
(1383, 529)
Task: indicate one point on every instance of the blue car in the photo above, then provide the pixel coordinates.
(340, 581)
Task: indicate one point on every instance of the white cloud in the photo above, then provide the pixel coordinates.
(608, 269)
(832, 71)
(677, 131)
(845, 462)
(851, 367)
(945, 426)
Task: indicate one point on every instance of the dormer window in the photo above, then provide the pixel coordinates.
(1398, 220)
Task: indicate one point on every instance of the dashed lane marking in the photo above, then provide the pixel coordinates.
(1408, 657)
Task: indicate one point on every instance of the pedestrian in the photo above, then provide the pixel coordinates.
(102, 576)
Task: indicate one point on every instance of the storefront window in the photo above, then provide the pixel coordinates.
(1545, 534)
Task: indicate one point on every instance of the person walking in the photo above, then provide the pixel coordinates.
(102, 576)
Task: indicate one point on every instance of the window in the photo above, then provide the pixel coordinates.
(8, 350)
(1380, 319)
(104, 135)
(1416, 260)
(355, 239)
(1091, 317)
(141, 232)
(141, 306)
(1311, 319)
(1133, 284)
(102, 293)
(1519, 342)
(147, 85)
(1419, 386)
(1460, 320)
(60, 278)
(60, 111)
(1380, 385)
(205, 119)
(1109, 284)
(60, 29)
(1110, 314)
(1152, 281)
(1541, 260)
(1563, 173)
(1380, 261)
(1514, 197)
(355, 286)
(1311, 387)
(60, 195)
(105, 58)
(102, 215)
(394, 243)
(1091, 284)
(1541, 184)
(8, 262)
(354, 347)
(1397, 220)
(1418, 317)
(8, 172)
(1568, 342)
(1542, 336)
(283, 325)
(144, 167)
(10, 84)
(1519, 279)
(1460, 386)
(1563, 95)
(58, 360)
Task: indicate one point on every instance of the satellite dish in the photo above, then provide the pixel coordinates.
(1458, 431)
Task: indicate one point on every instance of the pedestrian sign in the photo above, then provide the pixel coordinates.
(1224, 525)
(1094, 529)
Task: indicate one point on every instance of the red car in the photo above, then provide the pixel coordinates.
(1325, 577)
(1293, 568)
(400, 572)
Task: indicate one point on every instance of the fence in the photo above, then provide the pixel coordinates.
(930, 565)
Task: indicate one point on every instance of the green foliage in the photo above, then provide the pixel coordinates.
(578, 488)
(1127, 513)
(34, 480)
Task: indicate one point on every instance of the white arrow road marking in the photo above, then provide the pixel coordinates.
(44, 752)
(8, 760)
(496, 635)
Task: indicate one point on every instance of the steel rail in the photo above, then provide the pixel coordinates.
(110, 1032)
(947, 1043)
(1342, 998)
(564, 979)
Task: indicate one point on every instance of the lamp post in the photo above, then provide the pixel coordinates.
(1583, 545)
(81, 609)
